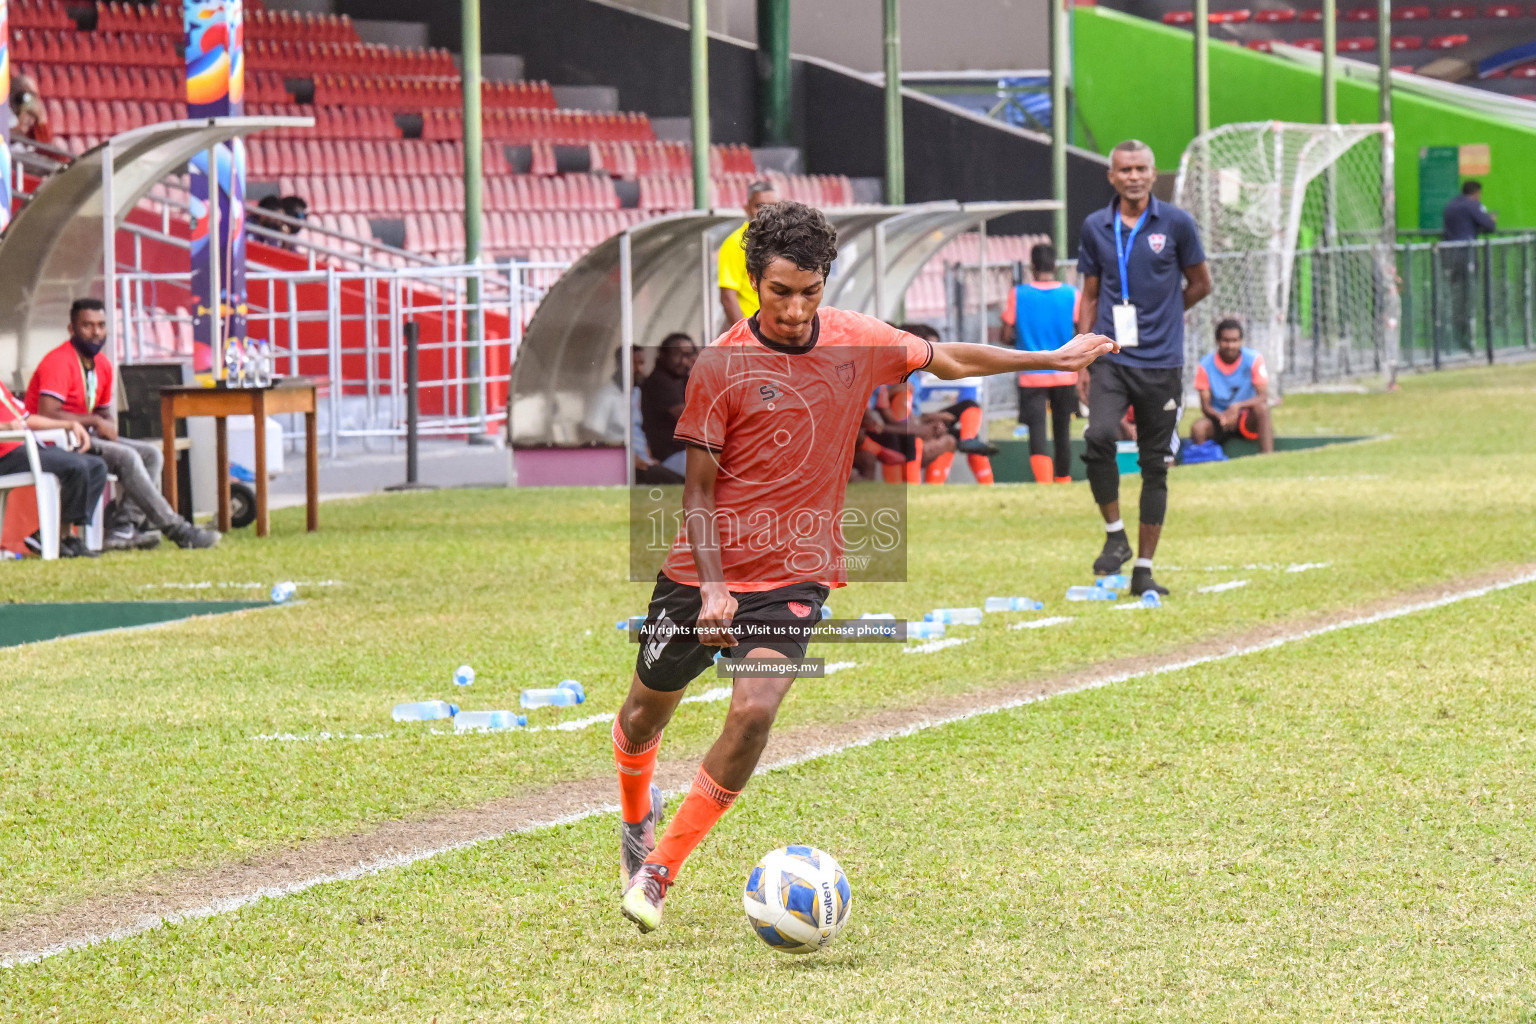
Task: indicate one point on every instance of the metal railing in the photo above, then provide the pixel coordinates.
(1467, 300)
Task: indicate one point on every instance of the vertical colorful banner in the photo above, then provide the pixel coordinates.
(215, 53)
(5, 134)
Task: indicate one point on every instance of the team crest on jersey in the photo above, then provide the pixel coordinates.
(800, 608)
(845, 373)
(1157, 242)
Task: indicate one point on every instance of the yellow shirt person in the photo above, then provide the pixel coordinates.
(737, 296)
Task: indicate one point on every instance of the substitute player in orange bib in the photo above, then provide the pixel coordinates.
(771, 417)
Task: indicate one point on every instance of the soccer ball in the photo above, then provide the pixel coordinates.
(797, 899)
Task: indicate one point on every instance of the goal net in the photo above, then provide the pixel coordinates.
(1297, 221)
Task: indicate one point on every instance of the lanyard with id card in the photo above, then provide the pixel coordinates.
(1125, 309)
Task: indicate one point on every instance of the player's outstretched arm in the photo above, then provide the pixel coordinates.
(953, 360)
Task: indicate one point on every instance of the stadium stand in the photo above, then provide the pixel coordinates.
(1452, 41)
(384, 146)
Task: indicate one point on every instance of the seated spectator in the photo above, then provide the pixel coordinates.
(952, 430)
(82, 477)
(661, 401)
(271, 204)
(1234, 392)
(29, 117)
(74, 382)
(296, 208)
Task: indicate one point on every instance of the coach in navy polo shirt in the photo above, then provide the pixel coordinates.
(1141, 266)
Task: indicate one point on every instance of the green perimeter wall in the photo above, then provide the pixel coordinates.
(1135, 79)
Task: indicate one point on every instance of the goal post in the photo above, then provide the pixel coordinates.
(1298, 222)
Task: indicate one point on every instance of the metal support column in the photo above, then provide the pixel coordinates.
(1202, 67)
(473, 204)
(1330, 61)
(895, 145)
(627, 336)
(1061, 61)
(773, 103)
(879, 256)
(698, 49)
(109, 239)
(1384, 57)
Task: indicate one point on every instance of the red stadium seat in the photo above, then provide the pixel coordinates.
(1358, 14)
(1261, 45)
(1233, 17)
(1503, 11)
(1527, 70)
(1407, 42)
(1310, 14)
(1448, 42)
(1356, 44)
(1457, 11)
(1179, 18)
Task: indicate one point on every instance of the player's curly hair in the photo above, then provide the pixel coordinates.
(794, 231)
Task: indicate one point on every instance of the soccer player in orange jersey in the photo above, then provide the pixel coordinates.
(770, 419)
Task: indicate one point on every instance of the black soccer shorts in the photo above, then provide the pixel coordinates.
(670, 658)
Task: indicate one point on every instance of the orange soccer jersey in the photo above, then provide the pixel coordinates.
(783, 421)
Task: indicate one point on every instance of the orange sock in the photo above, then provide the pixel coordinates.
(893, 474)
(1044, 469)
(970, 422)
(981, 468)
(1063, 479)
(706, 801)
(915, 464)
(870, 446)
(637, 764)
(938, 470)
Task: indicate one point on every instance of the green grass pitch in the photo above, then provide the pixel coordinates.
(1338, 829)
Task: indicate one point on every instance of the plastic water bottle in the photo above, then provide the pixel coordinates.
(633, 620)
(7, 556)
(925, 630)
(1091, 594)
(282, 591)
(424, 711)
(826, 612)
(955, 616)
(567, 694)
(1021, 432)
(877, 615)
(1115, 582)
(466, 721)
(1013, 604)
(463, 675)
(1151, 600)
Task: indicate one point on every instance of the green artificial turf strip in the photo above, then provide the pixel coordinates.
(1335, 830)
(128, 755)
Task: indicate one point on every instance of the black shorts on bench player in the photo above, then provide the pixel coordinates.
(1141, 266)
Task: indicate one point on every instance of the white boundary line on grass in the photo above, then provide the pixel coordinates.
(150, 922)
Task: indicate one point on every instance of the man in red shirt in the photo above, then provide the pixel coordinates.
(81, 477)
(771, 417)
(74, 382)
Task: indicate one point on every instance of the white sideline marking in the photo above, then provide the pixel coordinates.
(937, 645)
(708, 696)
(838, 666)
(1304, 566)
(209, 585)
(1217, 588)
(1054, 620)
(150, 922)
(571, 726)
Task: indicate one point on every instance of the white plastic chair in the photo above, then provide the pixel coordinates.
(48, 495)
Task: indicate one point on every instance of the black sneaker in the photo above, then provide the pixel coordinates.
(1117, 551)
(1142, 581)
(127, 537)
(74, 547)
(186, 535)
(976, 446)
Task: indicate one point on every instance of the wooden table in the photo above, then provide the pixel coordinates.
(285, 395)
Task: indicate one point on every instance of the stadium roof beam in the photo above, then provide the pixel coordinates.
(568, 350)
(53, 251)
